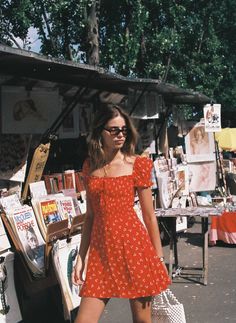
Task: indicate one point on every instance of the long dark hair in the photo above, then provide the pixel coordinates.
(95, 149)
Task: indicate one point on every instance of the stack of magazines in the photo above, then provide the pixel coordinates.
(25, 230)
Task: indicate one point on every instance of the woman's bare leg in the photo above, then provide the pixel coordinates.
(141, 309)
(90, 309)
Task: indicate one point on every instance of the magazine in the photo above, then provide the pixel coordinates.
(72, 193)
(31, 242)
(46, 211)
(64, 258)
(66, 207)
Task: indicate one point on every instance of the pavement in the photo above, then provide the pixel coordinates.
(213, 303)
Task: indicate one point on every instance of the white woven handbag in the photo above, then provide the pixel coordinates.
(167, 309)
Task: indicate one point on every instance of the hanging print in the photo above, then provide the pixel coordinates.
(212, 117)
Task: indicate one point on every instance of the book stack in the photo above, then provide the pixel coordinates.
(69, 179)
(53, 208)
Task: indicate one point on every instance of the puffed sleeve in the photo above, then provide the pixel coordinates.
(143, 172)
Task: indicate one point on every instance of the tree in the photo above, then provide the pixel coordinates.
(185, 42)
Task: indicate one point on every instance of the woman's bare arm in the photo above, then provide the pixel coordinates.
(146, 203)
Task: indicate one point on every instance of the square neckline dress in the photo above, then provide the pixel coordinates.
(122, 261)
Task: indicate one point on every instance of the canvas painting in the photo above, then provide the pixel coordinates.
(28, 112)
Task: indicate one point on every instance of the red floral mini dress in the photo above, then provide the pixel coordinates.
(122, 260)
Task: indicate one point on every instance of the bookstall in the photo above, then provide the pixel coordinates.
(45, 122)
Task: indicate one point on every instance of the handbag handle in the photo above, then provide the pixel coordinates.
(170, 297)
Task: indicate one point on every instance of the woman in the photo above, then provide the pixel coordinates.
(125, 259)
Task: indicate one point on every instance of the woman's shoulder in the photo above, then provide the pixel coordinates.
(142, 162)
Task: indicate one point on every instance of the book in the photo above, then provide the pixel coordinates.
(79, 181)
(66, 207)
(54, 182)
(31, 242)
(49, 211)
(46, 211)
(69, 179)
(64, 255)
(72, 193)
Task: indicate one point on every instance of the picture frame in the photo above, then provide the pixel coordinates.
(28, 112)
(70, 125)
(182, 178)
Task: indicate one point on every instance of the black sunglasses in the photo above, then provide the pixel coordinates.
(114, 131)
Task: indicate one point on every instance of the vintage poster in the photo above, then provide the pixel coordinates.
(200, 145)
(28, 112)
(212, 117)
(202, 176)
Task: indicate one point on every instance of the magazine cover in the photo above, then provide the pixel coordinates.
(64, 259)
(66, 207)
(72, 193)
(31, 241)
(49, 211)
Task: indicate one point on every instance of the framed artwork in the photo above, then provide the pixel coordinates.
(200, 145)
(28, 112)
(85, 117)
(182, 178)
(202, 176)
(70, 125)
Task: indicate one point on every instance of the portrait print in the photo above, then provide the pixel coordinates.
(199, 144)
(202, 176)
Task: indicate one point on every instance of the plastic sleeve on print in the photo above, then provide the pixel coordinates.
(143, 172)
